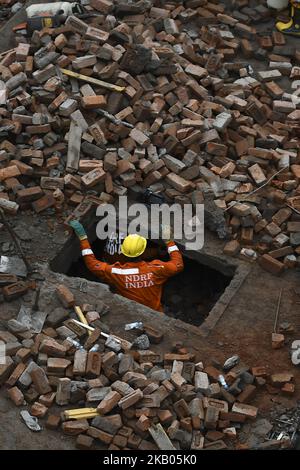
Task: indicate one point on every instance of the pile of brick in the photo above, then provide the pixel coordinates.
(194, 123)
(127, 398)
(8, 8)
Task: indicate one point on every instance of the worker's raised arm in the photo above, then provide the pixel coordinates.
(98, 268)
(172, 267)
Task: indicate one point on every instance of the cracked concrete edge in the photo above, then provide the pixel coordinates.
(219, 308)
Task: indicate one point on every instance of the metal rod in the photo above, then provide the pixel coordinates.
(256, 190)
(293, 209)
(277, 310)
(15, 240)
(113, 119)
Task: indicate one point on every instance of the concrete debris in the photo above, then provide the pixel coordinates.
(139, 398)
(285, 426)
(31, 320)
(135, 325)
(13, 265)
(141, 342)
(154, 96)
(231, 362)
(205, 127)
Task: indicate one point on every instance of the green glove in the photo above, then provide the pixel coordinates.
(78, 229)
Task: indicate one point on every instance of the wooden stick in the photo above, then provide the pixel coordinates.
(82, 318)
(126, 345)
(84, 325)
(85, 78)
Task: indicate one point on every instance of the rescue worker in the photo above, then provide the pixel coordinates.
(136, 279)
(291, 27)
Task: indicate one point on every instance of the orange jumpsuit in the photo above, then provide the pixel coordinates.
(140, 281)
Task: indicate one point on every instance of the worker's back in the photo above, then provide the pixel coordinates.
(137, 280)
(140, 281)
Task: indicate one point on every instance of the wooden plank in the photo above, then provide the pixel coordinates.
(74, 145)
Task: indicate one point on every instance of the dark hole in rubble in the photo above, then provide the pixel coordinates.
(188, 296)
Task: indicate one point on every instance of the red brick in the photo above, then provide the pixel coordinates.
(259, 371)
(84, 442)
(73, 428)
(52, 348)
(102, 436)
(246, 410)
(9, 172)
(143, 423)
(288, 389)
(93, 102)
(53, 422)
(216, 149)
(104, 6)
(109, 402)
(13, 291)
(47, 399)
(247, 394)
(178, 183)
(93, 177)
(22, 52)
(40, 381)
(12, 380)
(93, 367)
(29, 194)
(43, 203)
(139, 137)
(65, 296)
(277, 340)
(130, 399)
(42, 129)
(80, 360)
(38, 410)
(120, 441)
(16, 396)
(281, 378)
(271, 264)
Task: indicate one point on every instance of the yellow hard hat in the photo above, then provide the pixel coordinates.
(133, 245)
